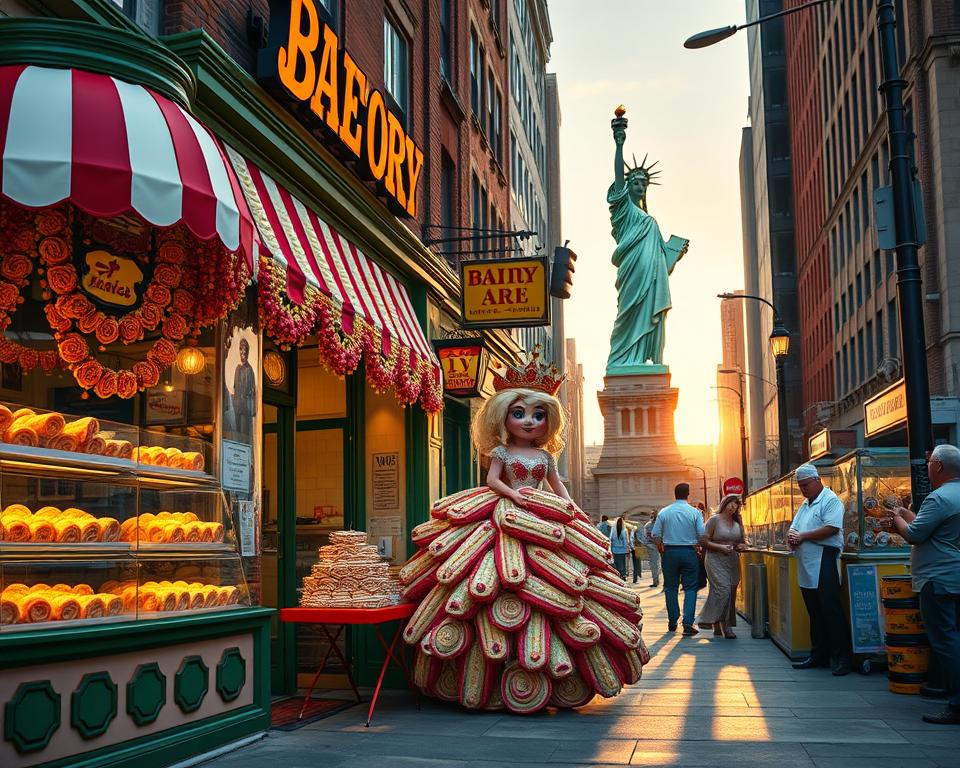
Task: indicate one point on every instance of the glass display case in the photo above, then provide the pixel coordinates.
(92, 537)
(872, 482)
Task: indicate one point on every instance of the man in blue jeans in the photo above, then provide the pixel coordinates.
(935, 566)
(676, 532)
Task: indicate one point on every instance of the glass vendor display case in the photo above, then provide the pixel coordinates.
(872, 482)
(92, 537)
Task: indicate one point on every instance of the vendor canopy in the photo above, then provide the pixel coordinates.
(333, 289)
(110, 147)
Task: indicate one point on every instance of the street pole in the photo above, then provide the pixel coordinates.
(743, 431)
(909, 279)
(782, 424)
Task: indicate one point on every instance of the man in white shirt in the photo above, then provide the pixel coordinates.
(816, 536)
(653, 554)
(676, 531)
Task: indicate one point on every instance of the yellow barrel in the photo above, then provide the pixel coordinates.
(904, 621)
(897, 587)
(907, 658)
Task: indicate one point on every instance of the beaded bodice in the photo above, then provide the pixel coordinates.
(521, 471)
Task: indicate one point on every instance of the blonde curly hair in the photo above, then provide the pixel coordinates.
(489, 428)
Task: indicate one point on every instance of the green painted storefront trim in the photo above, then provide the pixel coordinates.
(61, 43)
(21, 649)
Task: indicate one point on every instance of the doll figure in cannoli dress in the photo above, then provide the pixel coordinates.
(519, 606)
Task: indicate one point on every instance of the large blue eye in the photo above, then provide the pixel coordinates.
(539, 415)
(517, 413)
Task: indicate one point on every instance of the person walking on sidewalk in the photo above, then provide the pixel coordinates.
(678, 529)
(816, 535)
(621, 541)
(653, 554)
(935, 565)
(722, 540)
(636, 552)
(604, 525)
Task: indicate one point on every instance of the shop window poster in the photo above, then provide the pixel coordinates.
(241, 395)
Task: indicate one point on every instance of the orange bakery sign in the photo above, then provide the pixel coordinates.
(305, 65)
(503, 293)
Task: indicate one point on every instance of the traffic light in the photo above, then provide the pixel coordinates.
(561, 278)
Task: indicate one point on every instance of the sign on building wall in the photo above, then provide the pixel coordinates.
(306, 67)
(462, 364)
(886, 410)
(820, 444)
(504, 293)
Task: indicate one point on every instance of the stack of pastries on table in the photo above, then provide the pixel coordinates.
(22, 604)
(51, 524)
(51, 430)
(170, 528)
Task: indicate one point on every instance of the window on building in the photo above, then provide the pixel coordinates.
(780, 197)
(859, 285)
(779, 137)
(843, 308)
(861, 363)
(396, 66)
(837, 373)
(877, 271)
(448, 193)
(475, 76)
(484, 222)
(890, 262)
(482, 114)
(514, 165)
(475, 202)
(836, 315)
(446, 43)
(775, 88)
(893, 329)
(867, 284)
(856, 216)
(146, 14)
(871, 364)
(879, 344)
(846, 370)
(625, 422)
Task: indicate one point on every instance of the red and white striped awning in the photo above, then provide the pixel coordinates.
(314, 254)
(110, 147)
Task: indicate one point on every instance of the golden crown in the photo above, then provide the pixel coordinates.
(534, 375)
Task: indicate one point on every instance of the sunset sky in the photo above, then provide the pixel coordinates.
(686, 109)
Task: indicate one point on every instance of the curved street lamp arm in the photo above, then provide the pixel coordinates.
(776, 313)
(731, 389)
(787, 12)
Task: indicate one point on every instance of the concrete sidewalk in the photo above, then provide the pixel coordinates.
(703, 701)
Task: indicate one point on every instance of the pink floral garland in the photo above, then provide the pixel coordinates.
(289, 324)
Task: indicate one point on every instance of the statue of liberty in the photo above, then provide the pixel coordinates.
(644, 263)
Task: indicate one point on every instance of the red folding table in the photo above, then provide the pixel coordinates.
(342, 617)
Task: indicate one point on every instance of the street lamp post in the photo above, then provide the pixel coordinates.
(780, 347)
(743, 431)
(909, 284)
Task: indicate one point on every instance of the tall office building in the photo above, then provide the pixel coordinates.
(774, 269)
(847, 283)
(731, 389)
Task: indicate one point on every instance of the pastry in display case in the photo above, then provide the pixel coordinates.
(172, 584)
(873, 483)
(168, 452)
(191, 516)
(70, 589)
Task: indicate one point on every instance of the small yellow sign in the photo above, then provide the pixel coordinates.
(461, 366)
(112, 279)
(505, 292)
(820, 444)
(886, 410)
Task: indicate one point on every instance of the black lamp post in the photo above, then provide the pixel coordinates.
(909, 283)
(743, 431)
(780, 347)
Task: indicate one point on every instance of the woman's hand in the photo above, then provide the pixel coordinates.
(516, 497)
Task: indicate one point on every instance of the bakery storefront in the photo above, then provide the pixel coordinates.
(129, 471)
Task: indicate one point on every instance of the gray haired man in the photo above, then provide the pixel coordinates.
(935, 565)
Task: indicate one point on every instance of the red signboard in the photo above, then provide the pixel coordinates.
(733, 485)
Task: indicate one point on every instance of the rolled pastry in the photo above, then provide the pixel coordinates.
(113, 605)
(64, 606)
(92, 606)
(95, 445)
(216, 531)
(172, 533)
(42, 531)
(9, 611)
(89, 530)
(63, 442)
(34, 608)
(108, 529)
(48, 513)
(47, 425)
(192, 532)
(6, 418)
(16, 510)
(15, 529)
(191, 460)
(21, 433)
(82, 589)
(83, 429)
(155, 531)
(68, 532)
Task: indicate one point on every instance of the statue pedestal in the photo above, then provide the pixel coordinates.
(640, 463)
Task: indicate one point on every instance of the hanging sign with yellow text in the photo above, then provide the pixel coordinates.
(462, 364)
(305, 66)
(885, 410)
(503, 293)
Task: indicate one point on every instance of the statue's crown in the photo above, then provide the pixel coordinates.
(533, 375)
(642, 167)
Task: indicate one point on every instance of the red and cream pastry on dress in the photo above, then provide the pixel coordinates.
(519, 608)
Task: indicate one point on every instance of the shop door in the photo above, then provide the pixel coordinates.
(279, 587)
(457, 455)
